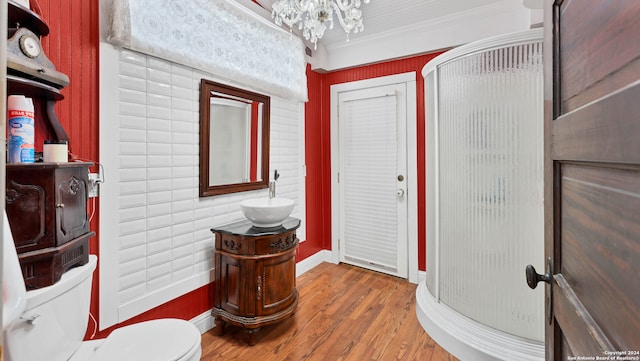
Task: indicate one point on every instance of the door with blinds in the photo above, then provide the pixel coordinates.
(372, 178)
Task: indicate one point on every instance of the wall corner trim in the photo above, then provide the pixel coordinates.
(312, 261)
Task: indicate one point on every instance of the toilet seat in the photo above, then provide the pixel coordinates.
(158, 340)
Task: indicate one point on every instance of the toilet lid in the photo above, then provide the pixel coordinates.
(164, 339)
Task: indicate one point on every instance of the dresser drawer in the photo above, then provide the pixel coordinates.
(234, 244)
(276, 244)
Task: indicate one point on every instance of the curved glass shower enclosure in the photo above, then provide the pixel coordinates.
(484, 135)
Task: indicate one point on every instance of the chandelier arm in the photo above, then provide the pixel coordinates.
(301, 6)
(347, 27)
(346, 4)
(349, 4)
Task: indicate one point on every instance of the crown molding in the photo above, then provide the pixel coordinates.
(428, 36)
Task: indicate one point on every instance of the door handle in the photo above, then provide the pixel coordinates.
(400, 193)
(534, 277)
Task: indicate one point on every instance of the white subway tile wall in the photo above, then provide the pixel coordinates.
(164, 243)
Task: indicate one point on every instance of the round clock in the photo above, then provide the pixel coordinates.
(30, 45)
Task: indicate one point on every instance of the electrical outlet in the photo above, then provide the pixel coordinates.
(94, 185)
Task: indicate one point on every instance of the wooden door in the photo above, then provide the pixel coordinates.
(592, 179)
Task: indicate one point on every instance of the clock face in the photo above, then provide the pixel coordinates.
(30, 45)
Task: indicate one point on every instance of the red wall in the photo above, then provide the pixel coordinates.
(318, 144)
(73, 46)
(318, 161)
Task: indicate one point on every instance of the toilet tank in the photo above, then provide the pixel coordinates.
(55, 318)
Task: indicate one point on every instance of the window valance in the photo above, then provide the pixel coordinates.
(217, 36)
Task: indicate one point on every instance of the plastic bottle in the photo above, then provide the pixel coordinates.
(20, 133)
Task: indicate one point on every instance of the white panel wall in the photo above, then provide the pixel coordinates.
(155, 238)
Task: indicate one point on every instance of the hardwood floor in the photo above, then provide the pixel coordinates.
(344, 313)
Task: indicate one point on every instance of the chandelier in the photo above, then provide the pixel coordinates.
(313, 16)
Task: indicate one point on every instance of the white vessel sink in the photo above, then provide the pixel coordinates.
(266, 212)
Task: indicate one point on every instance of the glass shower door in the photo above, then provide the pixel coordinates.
(489, 213)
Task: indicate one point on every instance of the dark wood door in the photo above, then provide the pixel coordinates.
(234, 291)
(277, 283)
(592, 176)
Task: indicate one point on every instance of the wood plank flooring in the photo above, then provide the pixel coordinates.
(344, 313)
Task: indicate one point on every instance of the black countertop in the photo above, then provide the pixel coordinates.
(245, 228)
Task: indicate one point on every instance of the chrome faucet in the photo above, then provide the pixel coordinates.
(272, 189)
(272, 184)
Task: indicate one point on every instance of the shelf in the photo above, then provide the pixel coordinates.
(26, 19)
(44, 166)
(31, 88)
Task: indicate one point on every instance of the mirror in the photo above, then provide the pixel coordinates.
(234, 139)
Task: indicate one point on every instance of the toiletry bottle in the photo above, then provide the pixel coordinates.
(20, 132)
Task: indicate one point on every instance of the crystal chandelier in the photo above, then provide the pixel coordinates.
(312, 16)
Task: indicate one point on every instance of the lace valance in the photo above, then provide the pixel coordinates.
(216, 36)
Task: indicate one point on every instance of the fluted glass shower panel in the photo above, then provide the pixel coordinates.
(489, 136)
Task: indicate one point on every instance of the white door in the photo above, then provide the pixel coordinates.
(373, 179)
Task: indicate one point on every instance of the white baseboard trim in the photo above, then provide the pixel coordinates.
(204, 321)
(467, 339)
(312, 261)
(422, 277)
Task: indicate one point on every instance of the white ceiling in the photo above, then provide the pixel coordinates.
(394, 26)
(381, 16)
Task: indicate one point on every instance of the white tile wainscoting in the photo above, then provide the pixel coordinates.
(155, 239)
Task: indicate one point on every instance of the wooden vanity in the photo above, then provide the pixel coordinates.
(255, 275)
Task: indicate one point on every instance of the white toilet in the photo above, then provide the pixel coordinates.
(54, 320)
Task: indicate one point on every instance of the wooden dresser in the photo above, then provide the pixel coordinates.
(255, 275)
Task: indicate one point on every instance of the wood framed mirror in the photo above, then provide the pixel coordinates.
(234, 139)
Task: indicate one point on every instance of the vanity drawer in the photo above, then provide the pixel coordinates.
(233, 244)
(276, 244)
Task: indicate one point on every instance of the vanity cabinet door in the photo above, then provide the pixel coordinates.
(235, 290)
(277, 283)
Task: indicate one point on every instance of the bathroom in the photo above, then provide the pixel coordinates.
(301, 150)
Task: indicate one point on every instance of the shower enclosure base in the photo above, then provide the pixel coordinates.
(467, 339)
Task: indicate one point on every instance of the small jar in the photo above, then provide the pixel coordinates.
(55, 151)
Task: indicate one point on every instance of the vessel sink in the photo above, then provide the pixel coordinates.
(266, 212)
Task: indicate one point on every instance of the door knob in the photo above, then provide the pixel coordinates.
(400, 193)
(534, 277)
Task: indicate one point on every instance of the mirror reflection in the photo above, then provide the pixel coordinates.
(234, 143)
